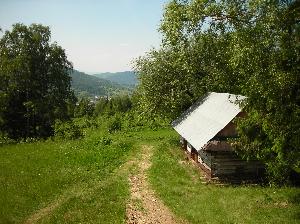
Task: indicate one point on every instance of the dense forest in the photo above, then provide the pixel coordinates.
(249, 48)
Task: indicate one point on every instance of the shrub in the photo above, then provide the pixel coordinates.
(105, 141)
(4, 139)
(85, 123)
(114, 124)
(67, 130)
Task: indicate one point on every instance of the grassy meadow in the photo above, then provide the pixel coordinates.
(178, 184)
(73, 179)
(84, 181)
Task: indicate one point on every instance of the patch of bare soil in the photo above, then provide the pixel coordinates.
(144, 207)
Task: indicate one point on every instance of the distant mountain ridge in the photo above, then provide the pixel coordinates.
(90, 86)
(126, 78)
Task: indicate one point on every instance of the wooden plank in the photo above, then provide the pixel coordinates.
(205, 157)
(207, 171)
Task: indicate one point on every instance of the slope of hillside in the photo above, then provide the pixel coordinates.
(93, 86)
(127, 177)
(127, 78)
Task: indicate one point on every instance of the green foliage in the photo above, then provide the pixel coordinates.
(5, 140)
(84, 108)
(121, 103)
(116, 104)
(67, 130)
(134, 121)
(114, 123)
(166, 86)
(241, 47)
(34, 82)
(100, 106)
(85, 123)
(105, 141)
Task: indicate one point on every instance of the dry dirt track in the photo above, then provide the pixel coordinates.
(144, 206)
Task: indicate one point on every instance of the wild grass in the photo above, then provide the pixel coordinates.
(72, 180)
(69, 181)
(82, 181)
(178, 184)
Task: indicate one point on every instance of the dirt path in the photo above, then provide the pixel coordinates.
(144, 206)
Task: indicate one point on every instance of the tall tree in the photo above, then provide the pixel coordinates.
(244, 47)
(35, 85)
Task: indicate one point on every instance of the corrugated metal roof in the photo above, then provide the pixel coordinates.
(209, 115)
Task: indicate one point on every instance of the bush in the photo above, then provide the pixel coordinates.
(4, 139)
(105, 141)
(114, 124)
(67, 130)
(85, 123)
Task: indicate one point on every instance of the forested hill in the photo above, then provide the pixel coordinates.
(88, 85)
(127, 78)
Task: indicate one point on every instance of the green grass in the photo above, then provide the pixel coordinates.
(69, 181)
(180, 187)
(74, 179)
(83, 181)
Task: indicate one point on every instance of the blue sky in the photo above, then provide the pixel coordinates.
(98, 35)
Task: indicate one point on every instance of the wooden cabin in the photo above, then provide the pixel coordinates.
(205, 129)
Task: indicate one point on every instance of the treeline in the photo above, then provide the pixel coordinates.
(103, 106)
(35, 91)
(107, 115)
(251, 48)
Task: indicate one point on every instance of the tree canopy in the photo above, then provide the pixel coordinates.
(244, 47)
(35, 85)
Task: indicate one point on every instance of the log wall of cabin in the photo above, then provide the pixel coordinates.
(228, 164)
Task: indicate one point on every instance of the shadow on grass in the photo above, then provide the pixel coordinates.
(295, 199)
